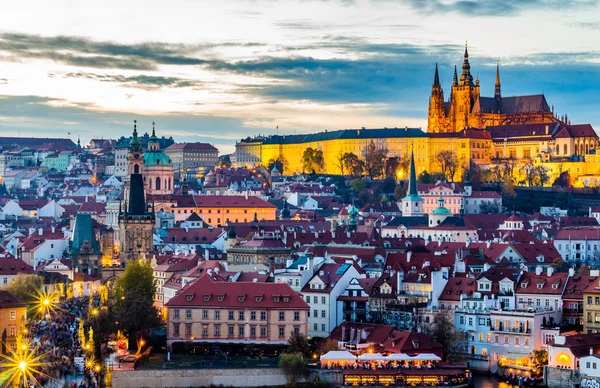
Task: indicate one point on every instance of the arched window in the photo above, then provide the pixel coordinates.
(557, 150)
(157, 184)
(587, 149)
(565, 149)
(169, 183)
(136, 168)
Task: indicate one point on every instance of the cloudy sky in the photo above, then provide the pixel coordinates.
(216, 71)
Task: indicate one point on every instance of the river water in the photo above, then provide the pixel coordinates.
(485, 381)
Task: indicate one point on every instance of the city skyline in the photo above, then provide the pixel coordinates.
(213, 72)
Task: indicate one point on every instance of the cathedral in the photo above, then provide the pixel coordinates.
(466, 108)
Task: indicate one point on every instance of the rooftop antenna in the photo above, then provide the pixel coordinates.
(277, 130)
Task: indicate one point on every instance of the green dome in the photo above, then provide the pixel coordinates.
(441, 211)
(156, 158)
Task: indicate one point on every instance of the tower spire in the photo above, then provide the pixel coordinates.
(497, 94)
(466, 78)
(412, 181)
(153, 130)
(455, 79)
(436, 77)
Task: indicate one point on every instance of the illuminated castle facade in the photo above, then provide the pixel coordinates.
(466, 108)
(479, 130)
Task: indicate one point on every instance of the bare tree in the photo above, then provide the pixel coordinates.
(529, 170)
(340, 162)
(374, 159)
(449, 163)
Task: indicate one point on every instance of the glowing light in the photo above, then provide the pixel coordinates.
(95, 312)
(45, 303)
(22, 365)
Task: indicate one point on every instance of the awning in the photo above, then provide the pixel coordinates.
(338, 355)
(398, 357)
(427, 357)
(371, 357)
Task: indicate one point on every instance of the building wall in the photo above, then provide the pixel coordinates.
(591, 312)
(214, 325)
(10, 320)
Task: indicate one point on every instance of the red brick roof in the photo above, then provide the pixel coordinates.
(206, 293)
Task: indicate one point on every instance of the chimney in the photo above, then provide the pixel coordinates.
(53, 229)
(538, 270)
(408, 256)
(488, 244)
(549, 271)
(547, 128)
(40, 231)
(591, 350)
(571, 272)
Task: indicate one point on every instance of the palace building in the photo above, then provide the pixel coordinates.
(479, 130)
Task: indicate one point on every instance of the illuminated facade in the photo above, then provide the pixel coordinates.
(466, 108)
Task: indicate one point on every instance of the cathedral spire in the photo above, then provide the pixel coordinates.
(455, 79)
(134, 145)
(436, 78)
(497, 94)
(466, 78)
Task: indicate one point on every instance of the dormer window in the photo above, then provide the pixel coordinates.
(241, 298)
(523, 285)
(259, 299)
(555, 286)
(189, 297)
(206, 298)
(539, 286)
(286, 299)
(276, 299)
(220, 298)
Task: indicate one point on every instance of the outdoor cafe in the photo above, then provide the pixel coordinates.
(394, 369)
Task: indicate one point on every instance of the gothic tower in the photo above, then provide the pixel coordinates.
(136, 220)
(436, 121)
(135, 159)
(464, 95)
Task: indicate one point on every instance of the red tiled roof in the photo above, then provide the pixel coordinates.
(204, 292)
(12, 266)
(530, 283)
(579, 233)
(457, 286)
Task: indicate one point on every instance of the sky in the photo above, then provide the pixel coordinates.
(218, 71)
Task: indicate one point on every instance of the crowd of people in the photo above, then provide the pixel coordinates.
(56, 335)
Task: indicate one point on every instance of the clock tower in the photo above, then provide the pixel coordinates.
(135, 160)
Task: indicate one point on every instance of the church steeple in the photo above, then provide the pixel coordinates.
(412, 204)
(412, 180)
(497, 94)
(466, 78)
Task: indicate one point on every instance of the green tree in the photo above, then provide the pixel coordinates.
(312, 160)
(389, 185)
(3, 190)
(134, 300)
(298, 343)
(357, 185)
(25, 287)
(374, 159)
(563, 180)
(540, 357)
(293, 367)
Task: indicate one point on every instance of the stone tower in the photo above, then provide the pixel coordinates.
(436, 121)
(135, 159)
(464, 95)
(136, 223)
